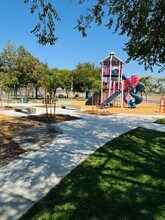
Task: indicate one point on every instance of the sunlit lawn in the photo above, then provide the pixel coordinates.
(161, 121)
(122, 180)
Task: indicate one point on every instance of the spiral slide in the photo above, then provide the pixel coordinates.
(136, 87)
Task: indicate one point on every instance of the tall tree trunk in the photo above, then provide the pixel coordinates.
(1, 99)
(50, 103)
(92, 101)
(36, 90)
(15, 90)
(8, 97)
(67, 93)
(0, 102)
(55, 103)
(46, 105)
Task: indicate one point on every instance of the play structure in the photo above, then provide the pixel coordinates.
(116, 88)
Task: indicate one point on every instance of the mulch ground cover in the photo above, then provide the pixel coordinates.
(51, 118)
(9, 149)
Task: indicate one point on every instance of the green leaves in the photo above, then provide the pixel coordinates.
(86, 77)
(18, 67)
(142, 23)
(155, 85)
(44, 30)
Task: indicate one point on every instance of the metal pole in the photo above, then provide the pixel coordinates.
(110, 71)
(122, 85)
(102, 80)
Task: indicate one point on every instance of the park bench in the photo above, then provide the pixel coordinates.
(28, 110)
(71, 107)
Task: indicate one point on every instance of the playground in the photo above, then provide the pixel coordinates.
(84, 154)
(34, 173)
(9, 148)
(118, 95)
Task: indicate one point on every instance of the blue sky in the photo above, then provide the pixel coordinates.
(71, 48)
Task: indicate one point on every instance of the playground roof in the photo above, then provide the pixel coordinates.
(114, 58)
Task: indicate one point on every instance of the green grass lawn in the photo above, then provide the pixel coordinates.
(161, 121)
(121, 180)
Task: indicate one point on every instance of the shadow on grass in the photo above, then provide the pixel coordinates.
(121, 180)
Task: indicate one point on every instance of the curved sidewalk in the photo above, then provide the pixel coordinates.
(28, 178)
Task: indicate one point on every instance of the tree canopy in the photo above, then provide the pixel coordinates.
(142, 21)
(86, 77)
(18, 67)
(65, 78)
(44, 30)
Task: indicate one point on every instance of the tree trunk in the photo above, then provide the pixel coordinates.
(92, 101)
(15, 91)
(67, 93)
(8, 97)
(1, 98)
(46, 105)
(36, 90)
(55, 103)
(50, 102)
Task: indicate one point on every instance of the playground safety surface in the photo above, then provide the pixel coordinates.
(144, 108)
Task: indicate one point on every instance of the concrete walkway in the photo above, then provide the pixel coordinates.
(28, 178)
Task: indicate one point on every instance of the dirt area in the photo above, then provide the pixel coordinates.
(8, 125)
(6, 108)
(50, 119)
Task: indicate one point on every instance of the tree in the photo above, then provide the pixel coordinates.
(22, 67)
(85, 76)
(161, 86)
(25, 66)
(5, 85)
(44, 29)
(29, 69)
(65, 80)
(143, 23)
(149, 84)
(7, 72)
(49, 81)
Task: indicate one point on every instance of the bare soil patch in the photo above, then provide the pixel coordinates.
(8, 125)
(9, 149)
(6, 108)
(51, 118)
